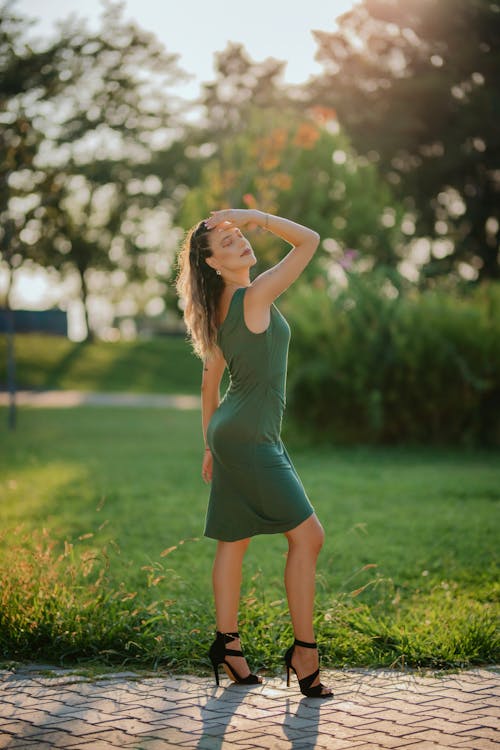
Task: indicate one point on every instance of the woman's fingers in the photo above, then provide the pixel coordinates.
(206, 468)
(217, 217)
(229, 216)
(215, 221)
(219, 224)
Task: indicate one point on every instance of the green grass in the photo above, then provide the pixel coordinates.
(159, 365)
(102, 554)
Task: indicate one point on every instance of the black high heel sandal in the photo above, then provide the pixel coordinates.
(218, 653)
(305, 682)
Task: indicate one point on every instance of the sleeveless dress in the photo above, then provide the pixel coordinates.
(255, 488)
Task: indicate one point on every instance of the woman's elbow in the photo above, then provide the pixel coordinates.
(314, 240)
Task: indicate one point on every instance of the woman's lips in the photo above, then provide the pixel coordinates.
(245, 252)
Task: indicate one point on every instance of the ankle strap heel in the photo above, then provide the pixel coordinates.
(304, 644)
(218, 653)
(317, 691)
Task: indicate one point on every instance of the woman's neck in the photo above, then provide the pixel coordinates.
(231, 283)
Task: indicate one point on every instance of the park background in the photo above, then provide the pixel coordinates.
(390, 150)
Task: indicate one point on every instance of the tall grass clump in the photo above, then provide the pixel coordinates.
(57, 602)
(379, 362)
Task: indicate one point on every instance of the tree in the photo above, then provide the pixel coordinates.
(300, 166)
(90, 194)
(242, 84)
(415, 85)
(22, 71)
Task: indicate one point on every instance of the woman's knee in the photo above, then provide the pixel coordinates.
(308, 534)
(318, 535)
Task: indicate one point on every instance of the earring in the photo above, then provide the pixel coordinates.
(217, 272)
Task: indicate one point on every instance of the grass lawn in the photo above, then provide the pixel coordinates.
(158, 365)
(102, 554)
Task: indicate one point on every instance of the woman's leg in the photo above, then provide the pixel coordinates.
(226, 578)
(304, 544)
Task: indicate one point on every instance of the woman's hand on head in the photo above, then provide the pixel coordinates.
(235, 217)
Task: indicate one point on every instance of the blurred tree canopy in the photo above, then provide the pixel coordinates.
(415, 85)
(393, 150)
(23, 73)
(297, 164)
(240, 86)
(81, 120)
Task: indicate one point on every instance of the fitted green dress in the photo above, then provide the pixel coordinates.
(255, 488)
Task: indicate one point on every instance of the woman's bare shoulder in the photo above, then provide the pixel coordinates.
(256, 310)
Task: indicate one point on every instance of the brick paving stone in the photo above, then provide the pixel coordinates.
(448, 715)
(390, 714)
(484, 721)
(109, 738)
(34, 717)
(332, 743)
(55, 739)
(251, 712)
(414, 746)
(20, 728)
(238, 736)
(486, 733)
(388, 741)
(393, 729)
(341, 732)
(273, 743)
(38, 744)
(160, 745)
(453, 704)
(489, 711)
(81, 713)
(126, 724)
(75, 727)
(323, 743)
(168, 734)
(434, 735)
(449, 727)
(7, 741)
(355, 709)
(457, 694)
(350, 718)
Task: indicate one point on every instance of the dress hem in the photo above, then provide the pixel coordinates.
(274, 530)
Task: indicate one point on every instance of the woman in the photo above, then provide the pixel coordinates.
(255, 489)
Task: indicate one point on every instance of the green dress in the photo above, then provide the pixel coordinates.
(255, 488)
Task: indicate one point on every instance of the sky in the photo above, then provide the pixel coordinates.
(195, 29)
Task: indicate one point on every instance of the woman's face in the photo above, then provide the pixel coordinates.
(231, 251)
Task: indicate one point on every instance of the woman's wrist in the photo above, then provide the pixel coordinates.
(262, 219)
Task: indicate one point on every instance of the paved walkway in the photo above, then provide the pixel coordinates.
(371, 709)
(65, 399)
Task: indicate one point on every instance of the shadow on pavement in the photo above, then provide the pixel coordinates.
(217, 713)
(303, 725)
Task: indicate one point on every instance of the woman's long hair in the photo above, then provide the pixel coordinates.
(200, 288)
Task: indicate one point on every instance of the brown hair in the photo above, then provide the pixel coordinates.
(200, 288)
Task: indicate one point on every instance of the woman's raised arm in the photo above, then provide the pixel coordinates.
(273, 282)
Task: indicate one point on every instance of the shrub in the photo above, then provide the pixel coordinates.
(379, 362)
